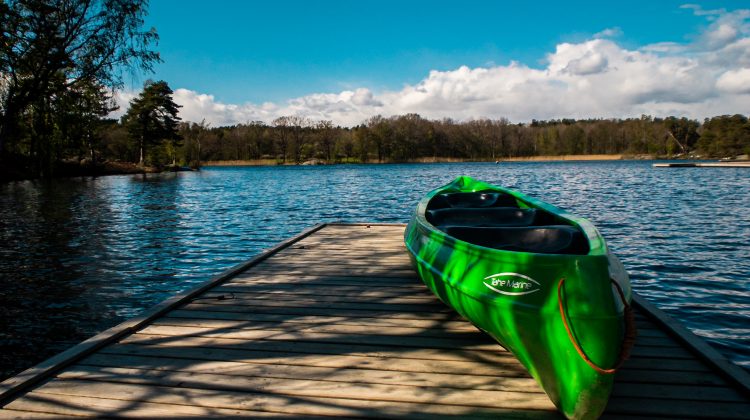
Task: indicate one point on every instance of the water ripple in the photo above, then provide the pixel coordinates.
(81, 255)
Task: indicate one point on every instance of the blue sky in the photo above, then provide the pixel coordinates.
(252, 52)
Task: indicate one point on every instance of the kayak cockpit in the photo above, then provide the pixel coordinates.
(494, 219)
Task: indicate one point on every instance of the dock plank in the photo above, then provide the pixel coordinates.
(324, 294)
(515, 381)
(77, 406)
(463, 335)
(332, 348)
(528, 397)
(355, 342)
(250, 302)
(204, 312)
(325, 311)
(335, 323)
(217, 351)
(408, 284)
(290, 405)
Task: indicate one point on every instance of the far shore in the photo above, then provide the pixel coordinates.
(124, 168)
(547, 158)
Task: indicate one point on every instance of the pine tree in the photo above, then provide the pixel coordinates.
(152, 118)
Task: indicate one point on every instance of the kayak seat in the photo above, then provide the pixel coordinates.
(486, 216)
(555, 239)
(479, 199)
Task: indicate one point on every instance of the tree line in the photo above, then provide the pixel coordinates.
(410, 137)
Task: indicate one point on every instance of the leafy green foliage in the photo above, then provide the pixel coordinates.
(411, 137)
(59, 58)
(727, 135)
(152, 121)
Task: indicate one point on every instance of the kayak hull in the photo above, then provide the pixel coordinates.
(539, 306)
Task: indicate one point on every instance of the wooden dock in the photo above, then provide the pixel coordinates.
(738, 164)
(334, 322)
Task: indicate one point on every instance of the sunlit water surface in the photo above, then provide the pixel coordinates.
(80, 255)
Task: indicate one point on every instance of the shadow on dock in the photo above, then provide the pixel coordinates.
(337, 324)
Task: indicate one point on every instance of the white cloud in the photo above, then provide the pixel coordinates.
(582, 59)
(735, 81)
(699, 11)
(609, 33)
(598, 78)
(725, 28)
(665, 48)
(197, 107)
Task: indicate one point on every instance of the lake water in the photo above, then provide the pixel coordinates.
(80, 255)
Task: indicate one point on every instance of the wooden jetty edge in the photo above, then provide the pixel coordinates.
(335, 323)
(738, 164)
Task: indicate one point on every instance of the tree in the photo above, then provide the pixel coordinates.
(380, 134)
(683, 132)
(725, 135)
(259, 138)
(50, 47)
(282, 125)
(325, 139)
(152, 118)
(81, 114)
(298, 135)
(115, 142)
(193, 134)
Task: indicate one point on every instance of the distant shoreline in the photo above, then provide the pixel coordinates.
(573, 158)
(567, 158)
(128, 168)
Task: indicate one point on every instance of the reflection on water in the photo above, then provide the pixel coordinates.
(81, 255)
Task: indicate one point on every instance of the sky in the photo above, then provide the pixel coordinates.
(233, 62)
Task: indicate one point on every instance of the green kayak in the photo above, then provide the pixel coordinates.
(538, 280)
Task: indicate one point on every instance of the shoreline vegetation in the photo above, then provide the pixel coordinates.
(85, 168)
(547, 158)
(115, 146)
(412, 138)
(9, 173)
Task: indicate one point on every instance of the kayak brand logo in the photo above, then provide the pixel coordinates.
(511, 284)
